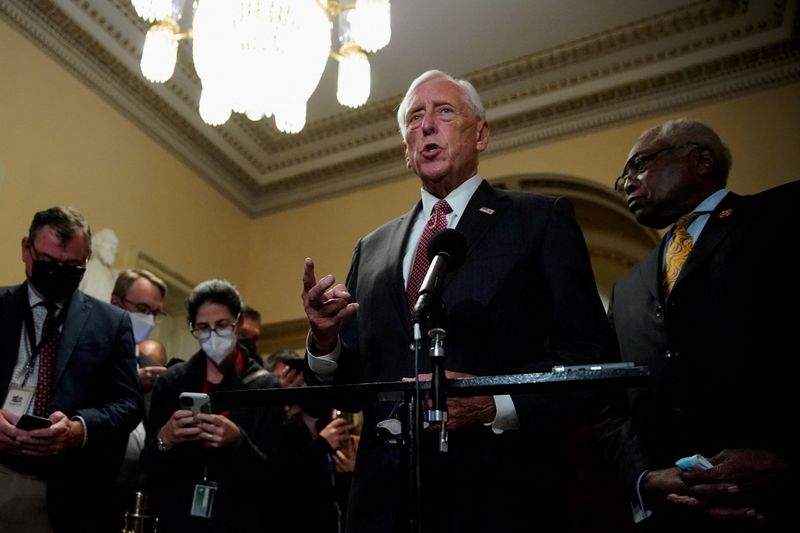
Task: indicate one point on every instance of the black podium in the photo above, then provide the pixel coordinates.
(560, 379)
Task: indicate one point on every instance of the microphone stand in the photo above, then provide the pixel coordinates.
(438, 413)
(439, 404)
(437, 334)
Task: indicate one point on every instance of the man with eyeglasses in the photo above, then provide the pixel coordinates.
(66, 358)
(707, 312)
(141, 294)
(523, 300)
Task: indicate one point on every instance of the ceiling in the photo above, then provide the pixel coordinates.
(545, 69)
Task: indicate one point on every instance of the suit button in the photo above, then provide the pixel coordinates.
(411, 346)
(678, 412)
(668, 355)
(659, 311)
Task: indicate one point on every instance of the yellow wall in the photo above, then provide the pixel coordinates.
(60, 143)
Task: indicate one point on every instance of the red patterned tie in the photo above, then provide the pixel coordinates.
(435, 224)
(47, 357)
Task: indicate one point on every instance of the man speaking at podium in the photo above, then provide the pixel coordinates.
(523, 301)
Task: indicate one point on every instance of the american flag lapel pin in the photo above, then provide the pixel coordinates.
(487, 210)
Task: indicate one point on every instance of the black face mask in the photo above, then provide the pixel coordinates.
(55, 281)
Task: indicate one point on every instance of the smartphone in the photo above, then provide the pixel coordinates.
(296, 364)
(31, 422)
(196, 402)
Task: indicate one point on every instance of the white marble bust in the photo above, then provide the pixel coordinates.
(100, 272)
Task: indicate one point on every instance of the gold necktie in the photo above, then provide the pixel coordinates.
(678, 250)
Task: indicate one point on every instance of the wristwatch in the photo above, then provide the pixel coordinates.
(160, 444)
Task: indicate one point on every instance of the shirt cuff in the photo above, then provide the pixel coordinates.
(85, 431)
(323, 366)
(505, 417)
(640, 512)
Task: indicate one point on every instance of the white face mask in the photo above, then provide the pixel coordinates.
(219, 345)
(143, 324)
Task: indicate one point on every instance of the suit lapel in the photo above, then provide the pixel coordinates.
(650, 272)
(77, 316)
(484, 209)
(394, 255)
(727, 216)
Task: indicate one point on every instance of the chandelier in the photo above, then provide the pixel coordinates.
(265, 57)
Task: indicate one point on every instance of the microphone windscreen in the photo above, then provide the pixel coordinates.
(451, 242)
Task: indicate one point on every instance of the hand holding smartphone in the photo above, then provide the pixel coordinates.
(31, 422)
(295, 364)
(196, 402)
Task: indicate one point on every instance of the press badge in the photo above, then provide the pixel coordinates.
(18, 399)
(203, 501)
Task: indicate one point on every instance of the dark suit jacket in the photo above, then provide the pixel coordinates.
(95, 378)
(524, 300)
(722, 350)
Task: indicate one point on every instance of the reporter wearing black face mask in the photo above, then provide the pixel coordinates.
(54, 281)
(68, 358)
(250, 331)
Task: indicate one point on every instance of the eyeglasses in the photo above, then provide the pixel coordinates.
(75, 268)
(145, 309)
(203, 331)
(638, 162)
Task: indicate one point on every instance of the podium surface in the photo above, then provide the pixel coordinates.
(561, 379)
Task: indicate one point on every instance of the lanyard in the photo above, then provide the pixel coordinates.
(34, 348)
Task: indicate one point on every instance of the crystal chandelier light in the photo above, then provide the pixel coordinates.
(265, 57)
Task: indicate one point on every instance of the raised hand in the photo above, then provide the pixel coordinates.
(326, 306)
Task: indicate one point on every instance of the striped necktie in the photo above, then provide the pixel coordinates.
(436, 223)
(678, 251)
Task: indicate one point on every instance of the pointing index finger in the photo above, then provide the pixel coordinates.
(309, 279)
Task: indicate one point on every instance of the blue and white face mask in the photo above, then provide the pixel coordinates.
(219, 345)
(143, 324)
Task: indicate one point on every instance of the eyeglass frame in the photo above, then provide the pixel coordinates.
(77, 269)
(642, 159)
(145, 309)
(206, 333)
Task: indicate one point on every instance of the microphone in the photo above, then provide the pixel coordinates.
(446, 252)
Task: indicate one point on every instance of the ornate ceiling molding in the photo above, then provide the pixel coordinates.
(702, 51)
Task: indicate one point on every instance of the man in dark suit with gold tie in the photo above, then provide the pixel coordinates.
(712, 312)
(523, 300)
(68, 358)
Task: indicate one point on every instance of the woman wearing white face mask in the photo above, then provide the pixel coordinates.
(200, 466)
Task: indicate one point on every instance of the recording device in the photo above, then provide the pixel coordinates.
(31, 422)
(694, 462)
(196, 402)
(446, 252)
